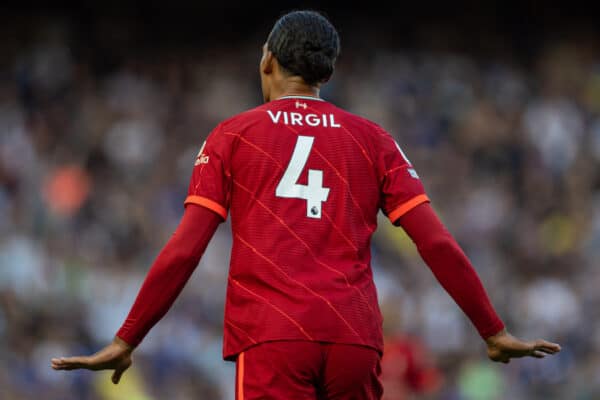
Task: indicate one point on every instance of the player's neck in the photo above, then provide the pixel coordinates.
(295, 87)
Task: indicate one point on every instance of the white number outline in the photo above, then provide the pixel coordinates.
(314, 192)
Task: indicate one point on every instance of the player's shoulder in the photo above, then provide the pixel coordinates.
(240, 122)
(358, 122)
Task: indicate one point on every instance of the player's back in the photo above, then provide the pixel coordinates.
(303, 181)
(304, 184)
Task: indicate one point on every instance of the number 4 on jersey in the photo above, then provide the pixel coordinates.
(314, 193)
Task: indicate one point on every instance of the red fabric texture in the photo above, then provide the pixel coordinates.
(300, 270)
(170, 272)
(451, 267)
(305, 370)
(296, 274)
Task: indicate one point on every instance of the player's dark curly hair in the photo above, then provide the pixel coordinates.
(306, 44)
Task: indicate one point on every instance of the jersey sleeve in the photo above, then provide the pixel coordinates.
(210, 185)
(401, 187)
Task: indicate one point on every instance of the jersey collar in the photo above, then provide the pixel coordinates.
(300, 97)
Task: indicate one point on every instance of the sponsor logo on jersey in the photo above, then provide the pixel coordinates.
(201, 158)
(300, 119)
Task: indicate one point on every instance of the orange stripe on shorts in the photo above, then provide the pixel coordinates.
(240, 377)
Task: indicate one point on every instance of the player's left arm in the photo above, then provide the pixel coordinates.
(206, 207)
(455, 273)
(164, 281)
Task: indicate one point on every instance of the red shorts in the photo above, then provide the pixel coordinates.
(300, 370)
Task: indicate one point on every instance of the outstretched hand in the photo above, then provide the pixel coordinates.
(115, 356)
(504, 346)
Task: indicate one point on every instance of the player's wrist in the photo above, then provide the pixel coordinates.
(123, 344)
(493, 328)
(491, 340)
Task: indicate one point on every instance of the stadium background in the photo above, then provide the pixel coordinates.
(103, 107)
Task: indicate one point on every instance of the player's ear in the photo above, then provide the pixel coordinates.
(266, 63)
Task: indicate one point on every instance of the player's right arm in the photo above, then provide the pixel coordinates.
(404, 201)
(454, 271)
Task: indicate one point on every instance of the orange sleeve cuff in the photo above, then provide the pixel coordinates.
(406, 207)
(207, 203)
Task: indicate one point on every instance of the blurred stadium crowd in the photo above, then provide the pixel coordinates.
(94, 167)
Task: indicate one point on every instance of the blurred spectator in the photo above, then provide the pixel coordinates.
(408, 368)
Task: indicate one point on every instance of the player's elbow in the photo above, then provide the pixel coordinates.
(438, 244)
(181, 256)
(174, 257)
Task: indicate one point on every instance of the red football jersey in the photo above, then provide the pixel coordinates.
(303, 181)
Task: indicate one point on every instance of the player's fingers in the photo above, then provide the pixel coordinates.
(499, 357)
(547, 347)
(69, 363)
(538, 354)
(547, 350)
(66, 362)
(116, 376)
